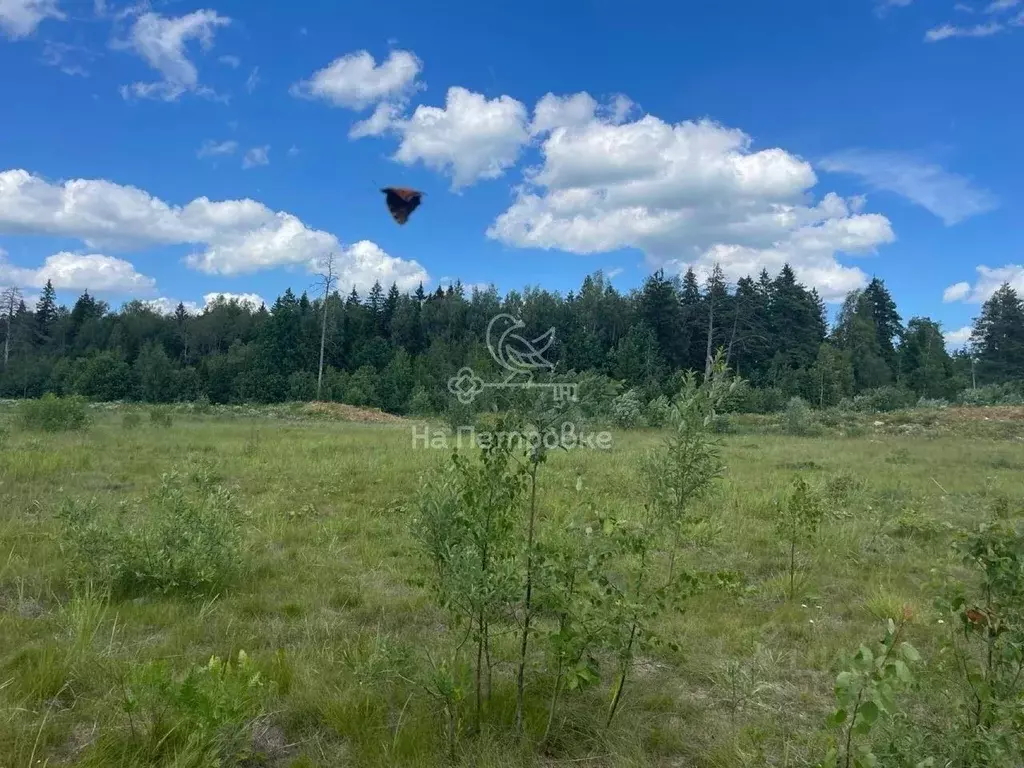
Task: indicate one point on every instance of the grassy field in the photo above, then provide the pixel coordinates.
(330, 608)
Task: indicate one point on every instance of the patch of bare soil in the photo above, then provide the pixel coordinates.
(983, 413)
(344, 412)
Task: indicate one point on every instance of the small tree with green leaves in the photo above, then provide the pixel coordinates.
(798, 523)
(644, 545)
(865, 692)
(986, 642)
(466, 523)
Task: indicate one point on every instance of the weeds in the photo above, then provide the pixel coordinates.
(54, 414)
(173, 541)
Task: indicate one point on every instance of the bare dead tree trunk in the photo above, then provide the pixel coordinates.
(10, 297)
(327, 279)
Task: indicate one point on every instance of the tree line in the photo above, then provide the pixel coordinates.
(397, 351)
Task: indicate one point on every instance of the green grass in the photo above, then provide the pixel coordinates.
(330, 608)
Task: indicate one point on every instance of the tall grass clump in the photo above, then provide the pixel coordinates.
(176, 540)
(54, 414)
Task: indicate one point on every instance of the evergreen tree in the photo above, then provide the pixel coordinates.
(997, 338)
(46, 314)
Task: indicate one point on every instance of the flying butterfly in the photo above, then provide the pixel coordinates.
(402, 201)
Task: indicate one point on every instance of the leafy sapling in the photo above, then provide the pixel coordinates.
(798, 523)
(865, 691)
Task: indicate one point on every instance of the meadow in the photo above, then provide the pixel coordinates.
(323, 632)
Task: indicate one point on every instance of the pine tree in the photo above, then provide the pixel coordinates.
(46, 314)
(997, 337)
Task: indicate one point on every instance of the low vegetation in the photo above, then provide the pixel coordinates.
(278, 587)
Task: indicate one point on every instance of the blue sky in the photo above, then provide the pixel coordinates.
(170, 150)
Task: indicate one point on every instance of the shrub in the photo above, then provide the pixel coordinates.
(627, 409)
(798, 419)
(992, 394)
(883, 399)
(54, 414)
(419, 402)
(208, 715)
(173, 542)
(658, 411)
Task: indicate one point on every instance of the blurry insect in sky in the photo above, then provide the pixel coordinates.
(402, 201)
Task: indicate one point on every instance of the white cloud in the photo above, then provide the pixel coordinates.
(80, 272)
(161, 42)
(256, 156)
(253, 80)
(471, 138)
(364, 262)
(231, 236)
(378, 123)
(232, 61)
(253, 300)
(963, 7)
(614, 272)
(19, 18)
(956, 292)
(693, 193)
(212, 148)
(356, 81)
(998, 6)
(949, 196)
(988, 282)
(166, 306)
(293, 151)
(958, 338)
(946, 31)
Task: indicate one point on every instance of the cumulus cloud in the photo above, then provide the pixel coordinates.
(80, 272)
(162, 42)
(959, 338)
(252, 300)
(257, 156)
(20, 18)
(686, 194)
(956, 292)
(469, 139)
(951, 197)
(988, 282)
(166, 306)
(231, 237)
(356, 81)
(378, 123)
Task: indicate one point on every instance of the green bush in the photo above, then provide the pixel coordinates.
(208, 715)
(54, 414)
(884, 399)
(658, 411)
(176, 541)
(798, 419)
(627, 409)
(993, 394)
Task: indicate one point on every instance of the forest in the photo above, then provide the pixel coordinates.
(396, 351)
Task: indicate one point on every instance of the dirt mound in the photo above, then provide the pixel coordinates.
(344, 412)
(984, 413)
